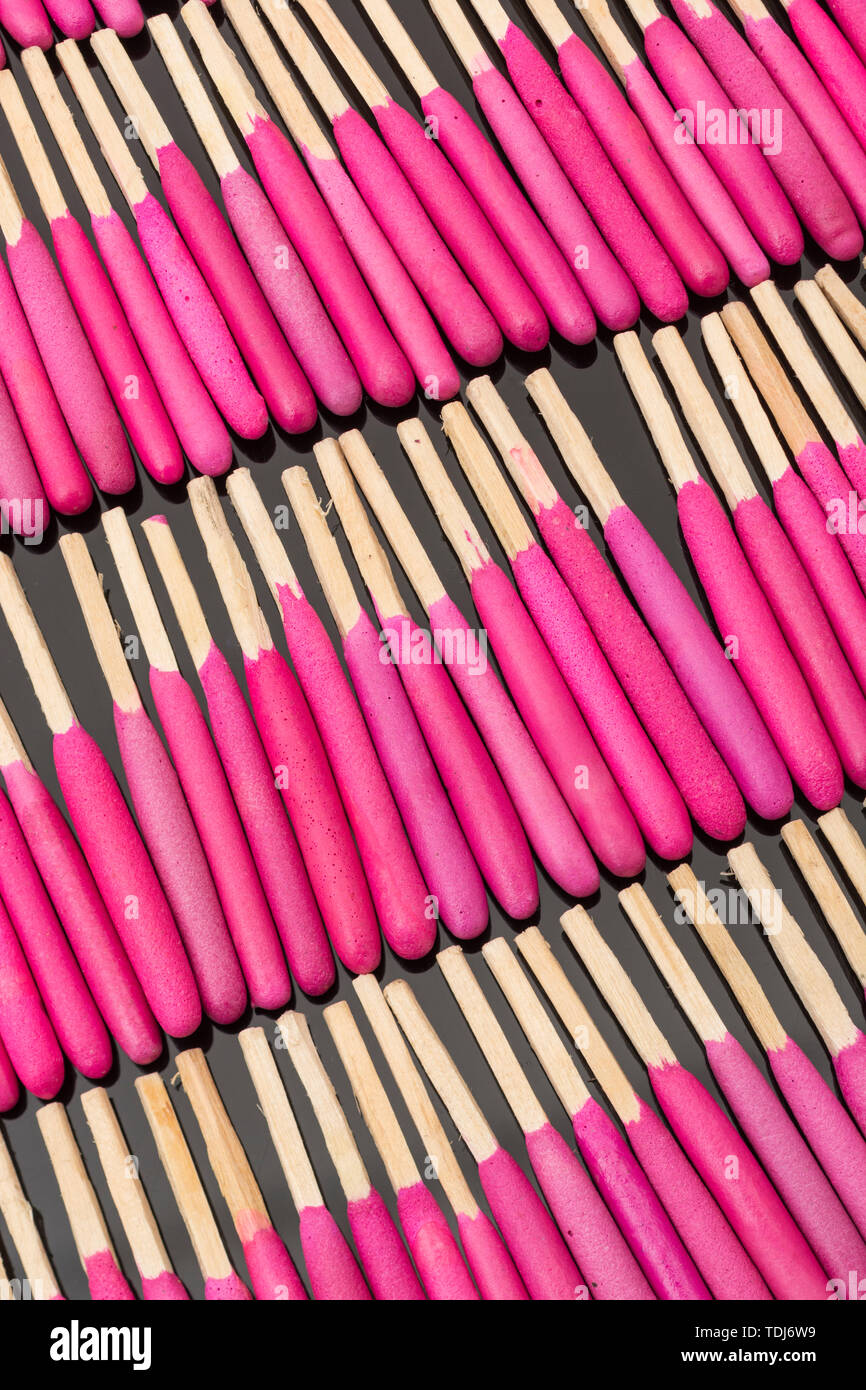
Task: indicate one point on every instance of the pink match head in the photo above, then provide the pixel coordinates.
(850, 1064)
(105, 1280)
(331, 1265)
(9, 1088)
(382, 1253)
(74, 17)
(229, 1289)
(272, 1272)
(446, 862)
(164, 1288)
(492, 1267)
(27, 22)
(539, 1252)
(434, 1249)
(123, 15)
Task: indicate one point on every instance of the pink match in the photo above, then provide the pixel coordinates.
(435, 1251)
(273, 844)
(26, 505)
(70, 364)
(57, 975)
(575, 145)
(557, 725)
(27, 22)
(446, 862)
(25, 1029)
(83, 915)
(464, 318)
(127, 881)
(383, 1255)
(541, 808)
(116, 352)
(332, 1268)
(794, 157)
(482, 804)
(606, 285)
(225, 845)
(202, 434)
(656, 695)
(378, 360)
(668, 212)
(310, 793)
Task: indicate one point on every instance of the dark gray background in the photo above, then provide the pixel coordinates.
(592, 382)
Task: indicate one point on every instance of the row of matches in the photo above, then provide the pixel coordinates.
(396, 801)
(658, 1216)
(342, 279)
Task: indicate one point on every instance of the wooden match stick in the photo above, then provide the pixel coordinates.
(105, 1280)
(851, 853)
(811, 375)
(433, 1247)
(783, 578)
(414, 332)
(775, 1138)
(631, 1200)
(832, 331)
(547, 272)
(159, 1283)
(637, 769)
(588, 1228)
(188, 298)
(331, 1265)
(646, 678)
(797, 508)
(203, 781)
(741, 166)
(293, 744)
(545, 1265)
(398, 890)
(221, 1283)
(816, 462)
(844, 301)
(751, 1204)
(118, 859)
(382, 1253)
(845, 1042)
(491, 1265)
(824, 1121)
(268, 296)
(272, 842)
(406, 779)
(162, 811)
(722, 1261)
(540, 690)
(272, 1273)
(764, 661)
(108, 333)
(482, 250)
(21, 1224)
(540, 806)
